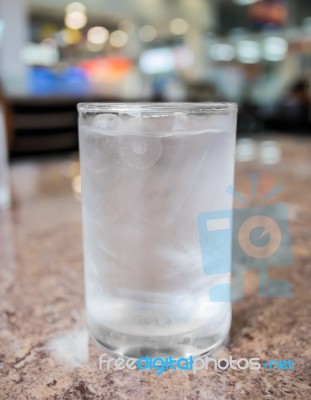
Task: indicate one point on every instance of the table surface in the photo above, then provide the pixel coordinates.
(45, 352)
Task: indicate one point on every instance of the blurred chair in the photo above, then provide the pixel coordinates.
(42, 125)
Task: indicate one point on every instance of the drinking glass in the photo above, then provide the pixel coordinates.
(148, 170)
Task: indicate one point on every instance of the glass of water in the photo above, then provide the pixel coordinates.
(148, 171)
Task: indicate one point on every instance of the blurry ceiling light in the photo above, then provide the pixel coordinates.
(245, 2)
(95, 47)
(127, 26)
(118, 38)
(147, 33)
(222, 52)
(248, 51)
(157, 61)
(70, 36)
(75, 6)
(275, 49)
(40, 54)
(98, 35)
(75, 20)
(179, 26)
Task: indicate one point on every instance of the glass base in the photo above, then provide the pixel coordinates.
(197, 343)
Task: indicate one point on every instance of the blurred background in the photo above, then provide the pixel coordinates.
(55, 54)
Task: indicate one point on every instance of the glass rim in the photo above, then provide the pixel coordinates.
(158, 108)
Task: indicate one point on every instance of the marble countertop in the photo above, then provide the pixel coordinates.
(45, 352)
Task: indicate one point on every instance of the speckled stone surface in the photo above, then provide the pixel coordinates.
(45, 352)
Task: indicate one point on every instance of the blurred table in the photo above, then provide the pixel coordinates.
(45, 351)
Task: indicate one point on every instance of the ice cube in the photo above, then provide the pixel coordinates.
(140, 152)
(105, 123)
(189, 124)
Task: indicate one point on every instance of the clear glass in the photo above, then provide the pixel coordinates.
(5, 195)
(147, 171)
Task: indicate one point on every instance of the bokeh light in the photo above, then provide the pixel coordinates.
(275, 49)
(147, 33)
(75, 6)
(40, 54)
(71, 36)
(248, 51)
(118, 38)
(179, 26)
(98, 35)
(75, 20)
(222, 52)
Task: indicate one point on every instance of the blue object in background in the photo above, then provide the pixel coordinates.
(71, 80)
